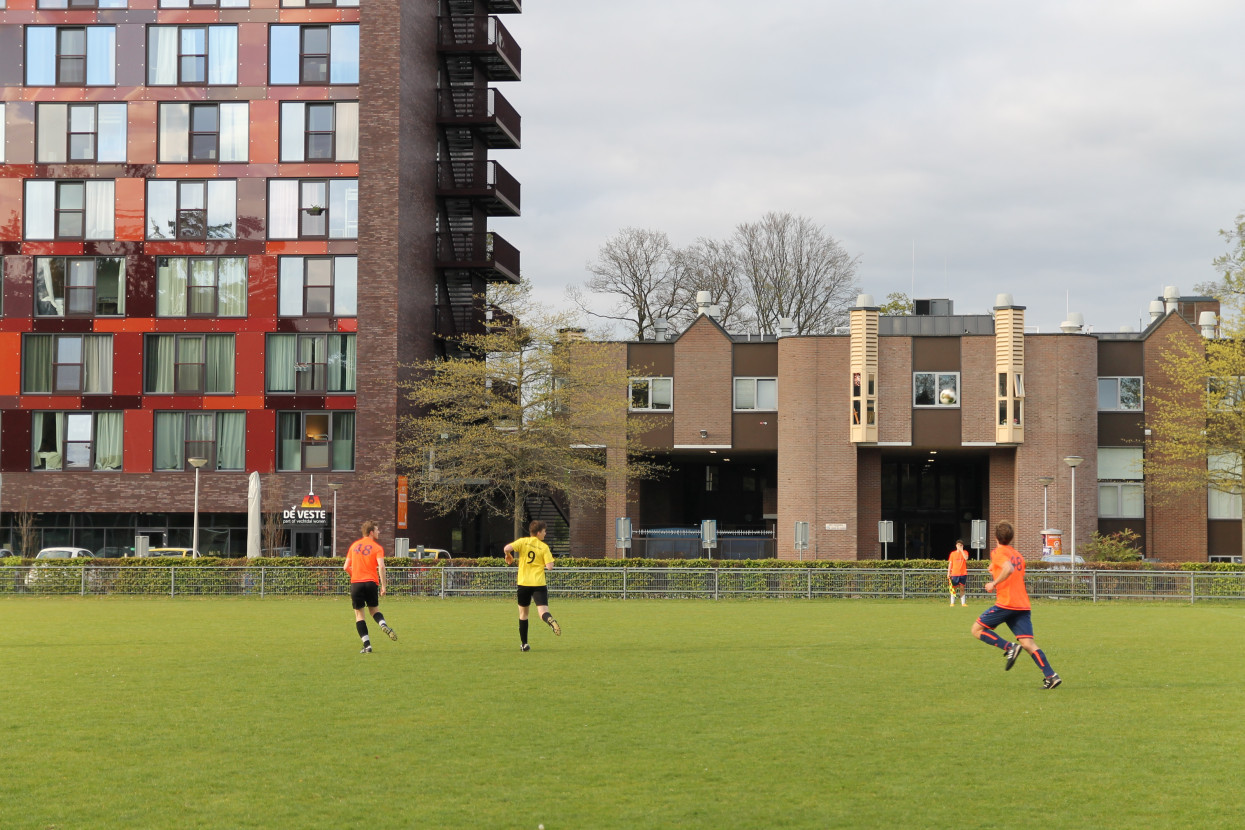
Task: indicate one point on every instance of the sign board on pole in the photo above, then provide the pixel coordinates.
(622, 532)
(801, 538)
(310, 515)
(709, 535)
(886, 535)
(979, 534)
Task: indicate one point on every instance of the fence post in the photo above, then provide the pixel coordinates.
(1192, 592)
(172, 580)
(903, 583)
(715, 583)
(808, 572)
(442, 582)
(82, 587)
(1094, 583)
(624, 581)
(262, 569)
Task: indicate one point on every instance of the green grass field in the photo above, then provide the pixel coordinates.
(240, 713)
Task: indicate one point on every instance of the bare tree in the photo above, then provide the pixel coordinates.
(793, 268)
(272, 532)
(713, 266)
(25, 527)
(640, 269)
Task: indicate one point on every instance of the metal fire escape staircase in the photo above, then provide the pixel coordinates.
(474, 49)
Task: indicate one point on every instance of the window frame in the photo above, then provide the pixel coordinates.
(35, 201)
(322, 388)
(1118, 487)
(62, 450)
(1118, 379)
(178, 211)
(62, 57)
(297, 114)
(756, 397)
(648, 381)
(205, 57)
(59, 211)
(278, 68)
(212, 454)
(66, 269)
(308, 440)
(54, 387)
(179, 388)
(937, 390)
(334, 286)
(162, 261)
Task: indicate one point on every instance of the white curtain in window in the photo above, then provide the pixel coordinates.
(282, 208)
(174, 133)
(234, 132)
(293, 122)
(745, 393)
(279, 362)
(40, 209)
(1119, 463)
(231, 441)
(170, 437)
(345, 286)
(350, 358)
(171, 287)
(223, 55)
(220, 363)
(110, 141)
(663, 393)
(97, 364)
(767, 393)
(109, 427)
(52, 122)
(1222, 504)
(290, 288)
(47, 298)
(347, 131)
(162, 55)
(101, 56)
(231, 286)
(100, 208)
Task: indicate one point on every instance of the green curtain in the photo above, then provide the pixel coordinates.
(170, 428)
(280, 362)
(231, 441)
(171, 287)
(290, 436)
(37, 364)
(343, 440)
(219, 364)
(109, 428)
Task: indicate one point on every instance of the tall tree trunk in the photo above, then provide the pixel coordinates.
(519, 530)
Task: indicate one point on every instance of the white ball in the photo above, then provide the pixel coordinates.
(540, 827)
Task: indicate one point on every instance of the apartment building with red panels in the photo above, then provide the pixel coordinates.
(226, 226)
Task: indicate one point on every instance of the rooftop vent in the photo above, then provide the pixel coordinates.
(864, 301)
(1208, 323)
(1074, 324)
(1003, 300)
(786, 325)
(1171, 297)
(661, 329)
(1157, 310)
(932, 308)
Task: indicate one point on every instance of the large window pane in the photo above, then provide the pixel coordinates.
(344, 56)
(344, 208)
(293, 114)
(234, 132)
(111, 140)
(174, 133)
(767, 393)
(223, 55)
(290, 290)
(283, 210)
(347, 131)
(222, 209)
(162, 43)
(745, 393)
(40, 56)
(345, 286)
(283, 56)
(161, 209)
(52, 127)
(101, 56)
(100, 206)
(170, 439)
(40, 210)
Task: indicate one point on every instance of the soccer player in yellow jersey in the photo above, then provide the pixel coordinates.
(534, 559)
(365, 562)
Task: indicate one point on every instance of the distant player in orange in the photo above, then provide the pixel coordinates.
(1007, 578)
(957, 572)
(365, 562)
(534, 559)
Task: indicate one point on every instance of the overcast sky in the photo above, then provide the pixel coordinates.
(1077, 154)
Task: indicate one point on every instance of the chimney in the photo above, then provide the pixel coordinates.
(1208, 322)
(703, 302)
(661, 329)
(1171, 297)
(1074, 324)
(786, 327)
(1157, 310)
(1003, 300)
(864, 301)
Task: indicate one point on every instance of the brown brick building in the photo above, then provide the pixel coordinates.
(928, 421)
(225, 226)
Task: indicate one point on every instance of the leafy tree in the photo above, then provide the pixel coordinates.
(533, 410)
(643, 272)
(1230, 288)
(793, 268)
(1195, 410)
(897, 305)
(1113, 547)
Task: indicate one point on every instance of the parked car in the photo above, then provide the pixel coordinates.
(37, 572)
(1062, 561)
(5, 552)
(188, 553)
(431, 553)
(114, 552)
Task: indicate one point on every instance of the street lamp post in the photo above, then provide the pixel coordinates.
(1046, 482)
(1072, 461)
(335, 488)
(194, 542)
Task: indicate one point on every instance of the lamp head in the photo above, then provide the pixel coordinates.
(1072, 460)
(1046, 481)
(196, 462)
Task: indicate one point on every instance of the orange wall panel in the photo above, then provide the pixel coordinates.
(130, 209)
(143, 118)
(249, 364)
(265, 131)
(10, 209)
(10, 362)
(138, 440)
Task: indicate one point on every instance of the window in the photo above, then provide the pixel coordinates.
(314, 54)
(319, 131)
(82, 4)
(57, 209)
(298, 4)
(313, 209)
(204, 4)
(204, 132)
(67, 364)
(756, 393)
(1, 117)
(192, 209)
(310, 363)
(79, 286)
(315, 441)
(71, 56)
(77, 440)
(81, 132)
(651, 394)
(936, 389)
(317, 286)
(189, 364)
(1117, 497)
(192, 55)
(200, 286)
(220, 437)
(1013, 398)
(1119, 394)
(1224, 504)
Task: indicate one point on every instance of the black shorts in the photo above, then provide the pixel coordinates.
(364, 593)
(527, 593)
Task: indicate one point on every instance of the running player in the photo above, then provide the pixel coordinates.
(365, 562)
(534, 559)
(957, 572)
(1007, 578)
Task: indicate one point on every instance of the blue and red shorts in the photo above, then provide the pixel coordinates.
(1017, 620)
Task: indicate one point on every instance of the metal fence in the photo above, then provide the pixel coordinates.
(611, 582)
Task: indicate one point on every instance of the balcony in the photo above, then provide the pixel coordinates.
(485, 254)
(484, 182)
(484, 39)
(493, 6)
(484, 111)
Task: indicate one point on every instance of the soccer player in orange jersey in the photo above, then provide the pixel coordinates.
(534, 560)
(1007, 579)
(365, 562)
(957, 572)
